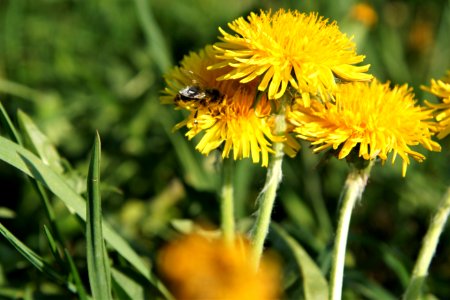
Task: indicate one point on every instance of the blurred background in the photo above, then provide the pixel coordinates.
(79, 66)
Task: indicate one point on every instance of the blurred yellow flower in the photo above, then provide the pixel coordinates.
(364, 13)
(421, 37)
(370, 118)
(441, 89)
(200, 269)
(289, 48)
(227, 113)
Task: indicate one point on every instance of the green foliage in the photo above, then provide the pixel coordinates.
(69, 68)
(97, 257)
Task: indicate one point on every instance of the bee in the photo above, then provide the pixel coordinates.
(196, 94)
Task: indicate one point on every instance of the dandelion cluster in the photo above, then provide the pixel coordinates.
(233, 89)
(273, 76)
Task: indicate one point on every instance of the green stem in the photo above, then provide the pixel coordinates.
(227, 201)
(267, 196)
(429, 244)
(352, 191)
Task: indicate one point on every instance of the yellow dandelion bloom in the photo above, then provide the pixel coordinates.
(226, 114)
(370, 118)
(286, 48)
(236, 126)
(441, 89)
(197, 269)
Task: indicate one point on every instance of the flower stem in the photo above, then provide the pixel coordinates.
(352, 191)
(267, 196)
(227, 201)
(429, 244)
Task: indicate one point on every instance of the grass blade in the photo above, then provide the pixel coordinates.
(30, 255)
(125, 287)
(315, 285)
(52, 244)
(38, 142)
(155, 39)
(35, 138)
(97, 258)
(29, 164)
(8, 125)
(76, 277)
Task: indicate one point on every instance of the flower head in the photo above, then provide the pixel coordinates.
(197, 268)
(227, 114)
(370, 118)
(441, 89)
(288, 48)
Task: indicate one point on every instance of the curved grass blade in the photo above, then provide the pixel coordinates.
(53, 245)
(30, 255)
(35, 137)
(125, 287)
(38, 142)
(8, 125)
(315, 285)
(97, 257)
(155, 39)
(76, 277)
(29, 164)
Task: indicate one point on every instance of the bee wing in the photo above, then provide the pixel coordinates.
(195, 78)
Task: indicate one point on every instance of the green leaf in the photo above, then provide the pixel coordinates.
(30, 255)
(52, 244)
(28, 163)
(8, 125)
(39, 143)
(76, 277)
(315, 285)
(97, 257)
(125, 287)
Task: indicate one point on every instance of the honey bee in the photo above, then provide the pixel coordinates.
(194, 93)
(197, 94)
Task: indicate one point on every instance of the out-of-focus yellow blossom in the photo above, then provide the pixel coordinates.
(286, 48)
(197, 269)
(364, 13)
(370, 119)
(229, 115)
(441, 89)
(421, 36)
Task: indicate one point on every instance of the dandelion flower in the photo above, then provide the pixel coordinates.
(369, 118)
(233, 120)
(441, 89)
(286, 48)
(197, 268)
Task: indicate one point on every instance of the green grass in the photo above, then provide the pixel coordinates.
(71, 68)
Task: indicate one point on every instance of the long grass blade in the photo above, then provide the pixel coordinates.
(29, 164)
(38, 143)
(30, 255)
(125, 287)
(315, 285)
(97, 258)
(76, 277)
(52, 244)
(8, 125)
